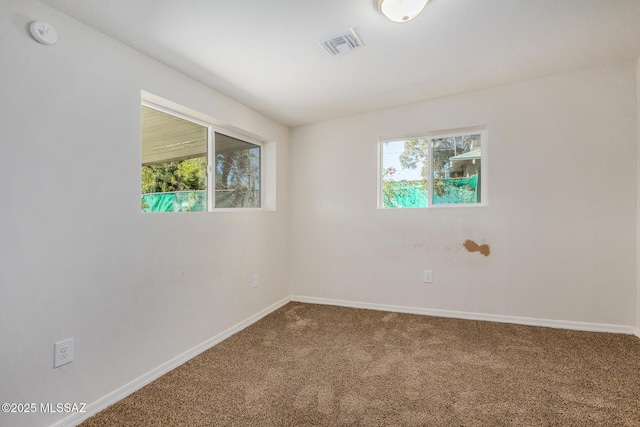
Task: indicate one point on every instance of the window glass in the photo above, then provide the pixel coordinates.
(405, 173)
(419, 172)
(174, 163)
(237, 173)
(456, 169)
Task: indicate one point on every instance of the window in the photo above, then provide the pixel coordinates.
(237, 173)
(190, 165)
(443, 169)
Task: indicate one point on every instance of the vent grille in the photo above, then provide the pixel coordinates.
(343, 42)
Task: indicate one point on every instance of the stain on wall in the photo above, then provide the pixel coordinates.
(472, 246)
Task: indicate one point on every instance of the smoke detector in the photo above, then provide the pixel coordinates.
(342, 42)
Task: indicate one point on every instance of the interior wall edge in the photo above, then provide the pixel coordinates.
(637, 197)
(527, 321)
(124, 391)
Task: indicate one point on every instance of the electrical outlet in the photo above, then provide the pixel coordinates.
(427, 276)
(62, 352)
(256, 280)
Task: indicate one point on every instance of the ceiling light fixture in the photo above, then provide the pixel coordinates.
(401, 10)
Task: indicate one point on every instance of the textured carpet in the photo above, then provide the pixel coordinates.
(316, 365)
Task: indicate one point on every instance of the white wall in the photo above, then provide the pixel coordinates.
(77, 257)
(560, 223)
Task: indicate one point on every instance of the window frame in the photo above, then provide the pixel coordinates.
(212, 129)
(430, 136)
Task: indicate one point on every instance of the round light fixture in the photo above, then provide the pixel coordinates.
(401, 10)
(43, 32)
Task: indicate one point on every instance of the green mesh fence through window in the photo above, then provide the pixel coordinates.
(456, 190)
(175, 201)
(413, 194)
(404, 194)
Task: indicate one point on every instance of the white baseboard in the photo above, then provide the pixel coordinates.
(637, 332)
(561, 324)
(119, 394)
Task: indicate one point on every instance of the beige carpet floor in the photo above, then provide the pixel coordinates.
(316, 365)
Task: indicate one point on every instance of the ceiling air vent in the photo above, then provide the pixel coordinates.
(342, 42)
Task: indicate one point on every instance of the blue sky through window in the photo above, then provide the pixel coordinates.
(391, 151)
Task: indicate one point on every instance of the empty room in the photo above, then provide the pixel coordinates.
(337, 212)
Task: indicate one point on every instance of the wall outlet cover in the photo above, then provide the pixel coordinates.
(427, 276)
(62, 352)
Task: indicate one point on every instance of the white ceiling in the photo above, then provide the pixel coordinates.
(267, 54)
